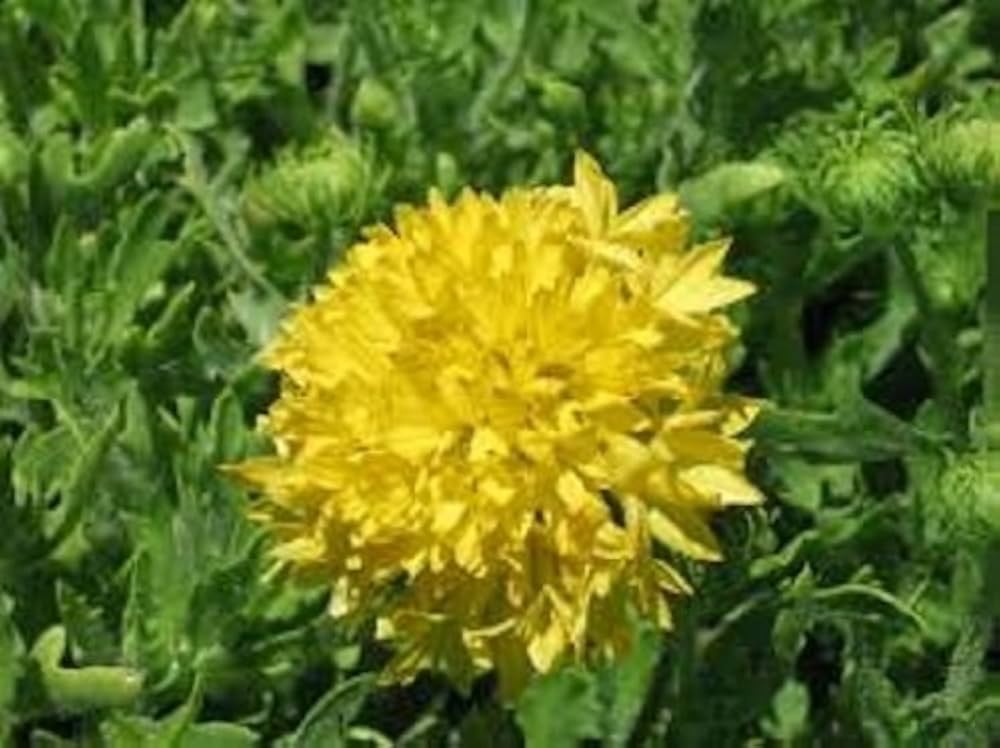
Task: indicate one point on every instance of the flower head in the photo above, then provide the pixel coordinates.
(509, 411)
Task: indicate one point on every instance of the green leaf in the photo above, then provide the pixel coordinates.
(177, 730)
(45, 739)
(713, 195)
(631, 43)
(862, 595)
(788, 634)
(859, 430)
(542, 709)
(489, 724)
(228, 428)
(86, 688)
(172, 329)
(328, 721)
(80, 483)
(126, 732)
(217, 596)
(11, 666)
(879, 60)
(57, 168)
(791, 713)
(150, 610)
(120, 157)
(57, 17)
(877, 705)
(807, 484)
(218, 735)
(91, 638)
(89, 77)
(622, 687)
(259, 315)
(42, 463)
(140, 258)
(13, 159)
(196, 108)
(219, 351)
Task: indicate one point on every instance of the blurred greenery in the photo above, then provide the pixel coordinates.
(174, 173)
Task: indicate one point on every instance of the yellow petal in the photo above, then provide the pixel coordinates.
(595, 194)
(725, 485)
(628, 460)
(535, 445)
(684, 531)
(691, 285)
(615, 412)
(452, 384)
(649, 215)
(545, 268)
(702, 447)
(619, 256)
(588, 288)
(547, 645)
(486, 444)
(447, 515)
(573, 492)
(739, 413)
(469, 550)
(669, 579)
(412, 443)
(301, 550)
(499, 493)
(657, 223)
(647, 337)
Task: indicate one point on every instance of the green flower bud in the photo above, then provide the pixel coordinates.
(317, 185)
(446, 173)
(561, 99)
(969, 492)
(868, 175)
(374, 105)
(967, 153)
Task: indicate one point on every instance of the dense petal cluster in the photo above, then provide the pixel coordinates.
(497, 418)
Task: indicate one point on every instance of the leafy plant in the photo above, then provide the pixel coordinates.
(174, 174)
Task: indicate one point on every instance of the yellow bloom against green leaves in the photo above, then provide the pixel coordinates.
(508, 410)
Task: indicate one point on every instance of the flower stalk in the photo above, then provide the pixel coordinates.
(991, 341)
(989, 435)
(940, 346)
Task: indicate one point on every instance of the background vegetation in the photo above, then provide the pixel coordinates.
(173, 174)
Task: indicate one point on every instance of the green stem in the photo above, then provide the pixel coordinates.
(196, 182)
(669, 698)
(988, 433)
(991, 341)
(946, 372)
(649, 724)
(685, 725)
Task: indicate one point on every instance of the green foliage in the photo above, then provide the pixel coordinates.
(174, 174)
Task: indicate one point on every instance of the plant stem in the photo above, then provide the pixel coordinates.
(946, 372)
(991, 342)
(196, 182)
(988, 431)
(648, 722)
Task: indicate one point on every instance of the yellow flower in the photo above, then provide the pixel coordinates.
(505, 411)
